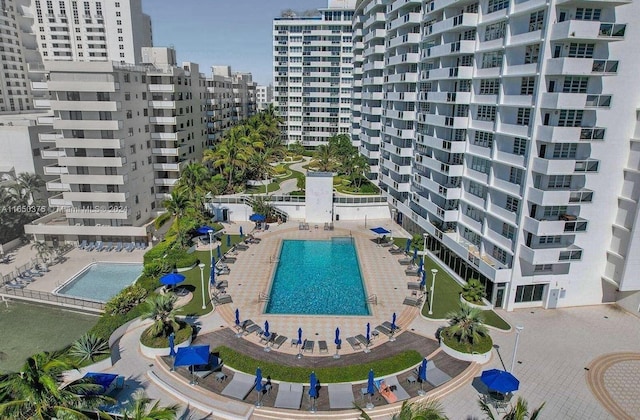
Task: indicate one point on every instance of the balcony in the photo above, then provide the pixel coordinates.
(93, 161)
(83, 86)
(39, 86)
(49, 137)
(555, 134)
(164, 136)
(559, 197)
(163, 120)
(536, 256)
(52, 153)
(95, 179)
(96, 106)
(97, 196)
(462, 21)
(165, 151)
(587, 30)
(87, 125)
(172, 167)
(166, 181)
(411, 38)
(59, 201)
(448, 73)
(55, 170)
(89, 143)
(161, 88)
(554, 227)
(162, 104)
(58, 186)
(449, 97)
(581, 66)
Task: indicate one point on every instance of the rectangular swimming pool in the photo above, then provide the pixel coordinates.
(318, 278)
(101, 281)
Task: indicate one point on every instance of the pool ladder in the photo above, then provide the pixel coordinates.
(263, 297)
(373, 299)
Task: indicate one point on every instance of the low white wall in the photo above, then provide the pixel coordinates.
(9, 246)
(360, 211)
(152, 352)
(481, 358)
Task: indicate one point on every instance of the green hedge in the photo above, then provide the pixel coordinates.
(107, 324)
(350, 373)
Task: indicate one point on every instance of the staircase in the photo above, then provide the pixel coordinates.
(250, 201)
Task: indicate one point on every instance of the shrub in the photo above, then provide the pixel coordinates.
(369, 188)
(124, 301)
(280, 170)
(157, 251)
(473, 291)
(107, 323)
(182, 334)
(337, 180)
(161, 220)
(88, 348)
(482, 345)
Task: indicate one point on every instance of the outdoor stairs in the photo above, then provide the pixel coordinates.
(282, 215)
(263, 297)
(373, 299)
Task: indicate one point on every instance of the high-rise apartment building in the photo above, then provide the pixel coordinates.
(244, 96)
(264, 96)
(312, 73)
(501, 129)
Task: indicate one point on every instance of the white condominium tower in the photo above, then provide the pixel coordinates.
(312, 72)
(504, 130)
(264, 96)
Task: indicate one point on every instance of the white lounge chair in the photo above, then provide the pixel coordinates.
(341, 396)
(118, 247)
(289, 396)
(240, 386)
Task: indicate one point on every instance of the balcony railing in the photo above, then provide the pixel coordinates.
(605, 66)
(595, 133)
(612, 30)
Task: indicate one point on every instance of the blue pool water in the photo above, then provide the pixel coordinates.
(318, 278)
(101, 281)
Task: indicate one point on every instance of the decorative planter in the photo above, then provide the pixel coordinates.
(481, 358)
(153, 352)
(486, 307)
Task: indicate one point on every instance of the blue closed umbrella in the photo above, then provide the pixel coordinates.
(241, 232)
(313, 385)
(407, 247)
(500, 380)
(423, 282)
(212, 275)
(421, 266)
(219, 253)
(172, 279)
(172, 350)
(415, 255)
(370, 385)
(204, 229)
(299, 336)
(368, 332)
(393, 322)
(237, 317)
(337, 341)
(266, 329)
(422, 371)
(228, 241)
(258, 379)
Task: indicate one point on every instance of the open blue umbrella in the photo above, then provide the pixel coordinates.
(172, 350)
(237, 317)
(370, 385)
(191, 356)
(500, 380)
(313, 385)
(415, 255)
(257, 217)
(241, 232)
(299, 336)
(393, 322)
(337, 341)
(258, 379)
(212, 275)
(219, 253)
(368, 332)
(407, 247)
(266, 329)
(204, 230)
(228, 241)
(172, 279)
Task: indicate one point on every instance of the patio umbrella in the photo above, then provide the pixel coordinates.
(204, 229)
(266, 329)
(500, 380)
(172, 350)
(423, 282)
(192, 355)
(415, 255)
(257, 217)
(212, 275)
(313, 385)
(368, 332)
(370, 388)
(228, 241)
(299, 336)
(422, 374)
(172, 279)
(421, 266)
(103, 382)
(393, 322)
(337, 341)
(241, 232)
(237, 317)
(219, 253)
(259, 386)
(407, 247)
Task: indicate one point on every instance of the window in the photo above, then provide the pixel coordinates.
(527, 85)
(132, 148)
(480, 165)
(553, 211)
(531, 53)
(495, 5)
(530, 293)
(477, 189)
(508, 231)
(550, 239)
(587, 14)
(492, 59)
(127, 77)
(499, 254)
(512, 204)
(483, 139)
(543, 267)
(486, 113)
(489, 86)
(559, 182)
(581, 50)
(129, 114)
(570, 118)
(536, 21)
(575, 84)
(134, 166)
(524, 116)
(495, 31)
(515, 176)
(130, 131)
(564, 150)
(474, 213)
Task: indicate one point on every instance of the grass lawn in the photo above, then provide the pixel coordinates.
(275, 185)
(193, 282)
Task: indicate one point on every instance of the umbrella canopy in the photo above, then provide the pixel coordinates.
(172, 339)
(257, 217)
(422, 370)
(228, 241)
(237, 316)
(380, 230)
(258, 379)
(370, 384)
(415, 254)
(313, 385)
(499, 380)
(219, 253)
(241, 232)
(266, 329)
(393, 322)
(299, 336)
(368, 332)
(172, 279)
(104, 380)
(212, 275)
(205, 229)
(192, 355)
(408, 245)
(337, 341)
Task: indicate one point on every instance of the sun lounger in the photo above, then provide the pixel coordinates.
(241, 247)
(400, 393)
(435, 376)
(387, 325)
(411, 301)
(223, 271)
(266, 338)
(386, 244)
(385, 391)
(82, 244)
(240, 386)
(340, 396)
(322, 347)
(90, 247)
(413, 271)
(384, 330)
(220, 299)
(362, 339)
(33, 273)
(118, 247)
(222, 284)
(202, 371)
(99, 246)
(405, 261)
(132, 246)
(396, 250)
(229, 260)
(300, 226)
(289, 396)
(279, 341)
(355, 344)
(413, 285)
(42, 268)
(14, 284)
(308, 346)
(253, 329)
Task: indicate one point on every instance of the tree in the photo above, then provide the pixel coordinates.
(177, 205)
(162, 311)
(260, 164)
(231, 154)
(42, 249)
(193, 182)
(473, 291)
(466, 324)
(323, 158)
(141, 408)
(35, 392)
(359, 166)
(517, 411)
(28, 186)
(88, 347)
(425, 410)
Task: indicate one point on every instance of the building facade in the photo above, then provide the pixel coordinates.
(264, 96)
(313, 73)
(503, 130)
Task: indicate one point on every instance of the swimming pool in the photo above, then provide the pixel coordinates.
(101, 281)
(318, 278)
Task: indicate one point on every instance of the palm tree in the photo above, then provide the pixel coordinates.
(193, 182)
(359, 166)
(177, 205)
(466, 324)
(427, 410)
(88, 347)
(29, 185)
(35, 392)
(473, 291)
(231, 154)
(323, 158)
(141, 409)
(517, 411)
(162, 311)
(260, 164)
(42, 249)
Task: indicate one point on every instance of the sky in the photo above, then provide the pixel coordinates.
(222, 32)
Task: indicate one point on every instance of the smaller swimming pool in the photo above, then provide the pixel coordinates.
(100, 281)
